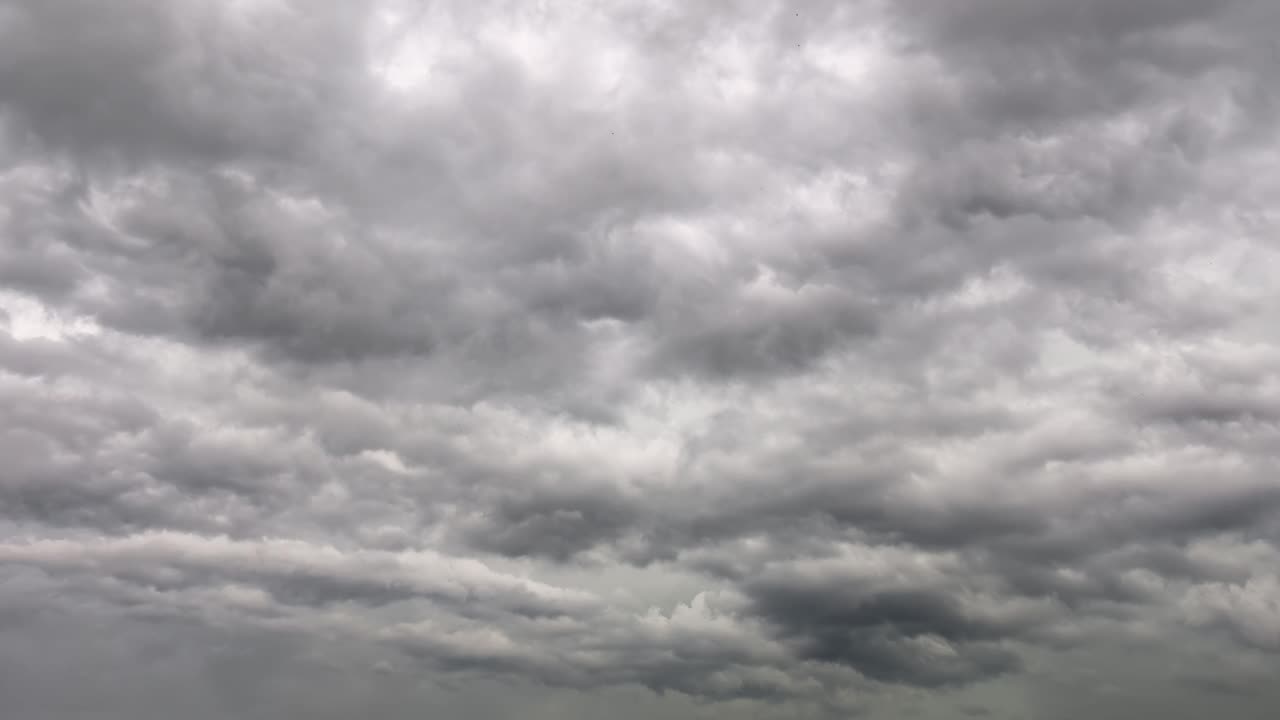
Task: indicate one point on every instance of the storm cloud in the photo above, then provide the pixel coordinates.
(709, 359)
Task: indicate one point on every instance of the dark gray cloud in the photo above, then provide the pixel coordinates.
(696, 360)
(895, 636)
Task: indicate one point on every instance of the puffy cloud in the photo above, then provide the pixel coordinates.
(693, 359)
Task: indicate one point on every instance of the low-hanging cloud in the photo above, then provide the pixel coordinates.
(695, 359)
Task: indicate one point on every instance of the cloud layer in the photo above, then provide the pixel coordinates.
(694, 359)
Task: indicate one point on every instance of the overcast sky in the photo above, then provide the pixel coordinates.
(569, 359)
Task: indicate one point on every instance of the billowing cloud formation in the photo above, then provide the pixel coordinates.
(389, 358)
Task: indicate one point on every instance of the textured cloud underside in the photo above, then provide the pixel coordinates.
(704, 359)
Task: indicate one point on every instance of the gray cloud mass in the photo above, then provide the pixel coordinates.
(392, 359)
